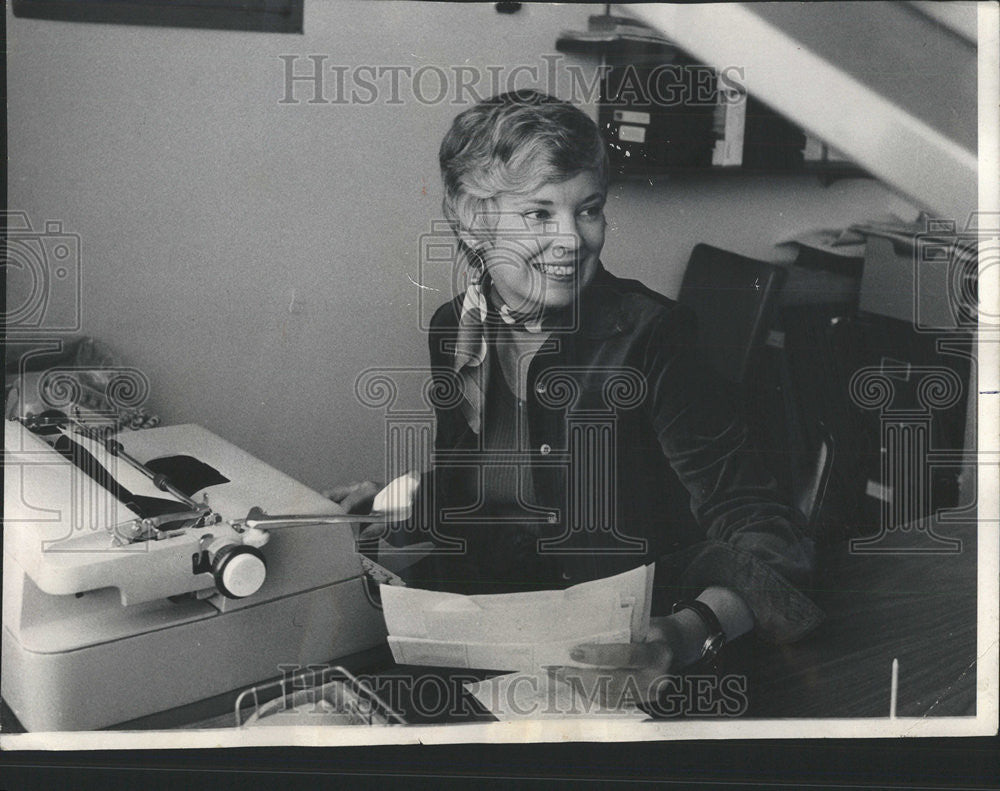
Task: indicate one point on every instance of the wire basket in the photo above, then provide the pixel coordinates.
(338, 698)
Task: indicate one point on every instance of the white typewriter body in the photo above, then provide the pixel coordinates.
(97, 632)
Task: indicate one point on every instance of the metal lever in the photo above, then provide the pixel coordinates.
(256, 518)
(54, 421)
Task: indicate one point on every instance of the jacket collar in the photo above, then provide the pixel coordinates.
(602, 313)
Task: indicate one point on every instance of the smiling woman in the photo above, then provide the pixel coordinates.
(585, 438)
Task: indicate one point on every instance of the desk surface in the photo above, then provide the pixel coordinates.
(901, 603)
(906, 604)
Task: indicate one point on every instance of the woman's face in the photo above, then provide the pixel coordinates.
(548, 243)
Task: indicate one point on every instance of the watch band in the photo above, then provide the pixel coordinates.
(716, 637)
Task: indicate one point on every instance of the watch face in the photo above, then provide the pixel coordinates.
(713, 645)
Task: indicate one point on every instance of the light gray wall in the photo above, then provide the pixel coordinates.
(207, 209)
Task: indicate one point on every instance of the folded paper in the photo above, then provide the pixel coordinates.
(515, 631)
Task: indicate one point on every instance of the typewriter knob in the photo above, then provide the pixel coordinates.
(239, 570)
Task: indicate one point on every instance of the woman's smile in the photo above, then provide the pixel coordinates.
(547, 243)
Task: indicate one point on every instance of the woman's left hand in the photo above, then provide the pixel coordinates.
(672, 641)
(641, 666)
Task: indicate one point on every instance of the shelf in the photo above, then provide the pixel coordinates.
(827, 173)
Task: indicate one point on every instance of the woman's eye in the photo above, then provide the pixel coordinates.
(592, 211)
(537, 214)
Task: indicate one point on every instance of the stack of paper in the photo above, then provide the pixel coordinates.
(515, 631)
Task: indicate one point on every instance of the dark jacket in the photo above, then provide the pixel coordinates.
(636, 455)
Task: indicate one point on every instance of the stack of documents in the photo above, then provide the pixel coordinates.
(515, 631)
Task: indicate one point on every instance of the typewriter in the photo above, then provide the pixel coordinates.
(146, 570)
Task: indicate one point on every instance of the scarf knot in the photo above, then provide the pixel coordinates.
(472, 344)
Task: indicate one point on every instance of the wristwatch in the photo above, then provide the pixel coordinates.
(716, 637)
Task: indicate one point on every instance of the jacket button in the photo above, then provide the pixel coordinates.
(552, 517)
(546, 449)
(540, 388)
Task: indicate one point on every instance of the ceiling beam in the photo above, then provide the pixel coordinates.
(898, 110)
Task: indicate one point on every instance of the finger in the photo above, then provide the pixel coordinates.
(626, 656)
(336, 493)
(342, 490)
(609, 655)
(353, 493)
(583, 683)
(373, 532)
(358, 502)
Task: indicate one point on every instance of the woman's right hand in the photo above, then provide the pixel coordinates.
(365, 496)
(354, 498)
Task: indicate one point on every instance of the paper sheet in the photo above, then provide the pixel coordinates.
(532, 696)
(515, 631)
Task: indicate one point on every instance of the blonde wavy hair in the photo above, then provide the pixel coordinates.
(512, 143)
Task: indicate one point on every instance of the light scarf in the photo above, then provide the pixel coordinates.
(472, 344)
